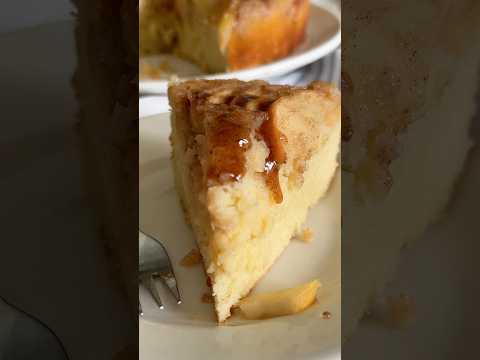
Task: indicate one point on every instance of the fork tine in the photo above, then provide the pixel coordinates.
(169, 280)
(152, 288)
(160, 268)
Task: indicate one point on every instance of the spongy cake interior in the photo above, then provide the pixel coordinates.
(240, 229)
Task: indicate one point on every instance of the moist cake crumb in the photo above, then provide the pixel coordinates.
(191, 259)
(306, 235)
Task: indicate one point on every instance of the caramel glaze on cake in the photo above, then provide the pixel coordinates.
(219, 113)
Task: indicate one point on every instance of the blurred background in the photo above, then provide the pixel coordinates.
(15, 17)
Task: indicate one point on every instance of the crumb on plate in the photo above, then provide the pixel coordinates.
(191, 259)
(306, 235)
(326, 315)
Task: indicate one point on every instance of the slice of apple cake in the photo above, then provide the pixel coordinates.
(249, 160)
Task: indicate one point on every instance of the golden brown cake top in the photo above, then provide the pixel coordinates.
(230, 113)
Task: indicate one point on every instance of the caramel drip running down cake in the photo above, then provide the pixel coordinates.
(249, 160)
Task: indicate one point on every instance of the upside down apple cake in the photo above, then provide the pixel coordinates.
(249, 160)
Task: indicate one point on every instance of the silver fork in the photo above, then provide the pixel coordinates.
(154, 264)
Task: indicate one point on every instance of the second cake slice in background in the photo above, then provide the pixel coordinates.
(223, 35)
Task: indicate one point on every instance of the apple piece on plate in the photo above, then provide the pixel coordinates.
(280, 303)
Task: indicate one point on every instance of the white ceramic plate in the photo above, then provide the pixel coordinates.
(323, 36)
(189, 330)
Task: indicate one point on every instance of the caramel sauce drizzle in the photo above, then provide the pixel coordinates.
(229, 130)
(228, 141)
(277, 156)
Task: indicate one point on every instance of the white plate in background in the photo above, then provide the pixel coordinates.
(322, 37)
(189, 330)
